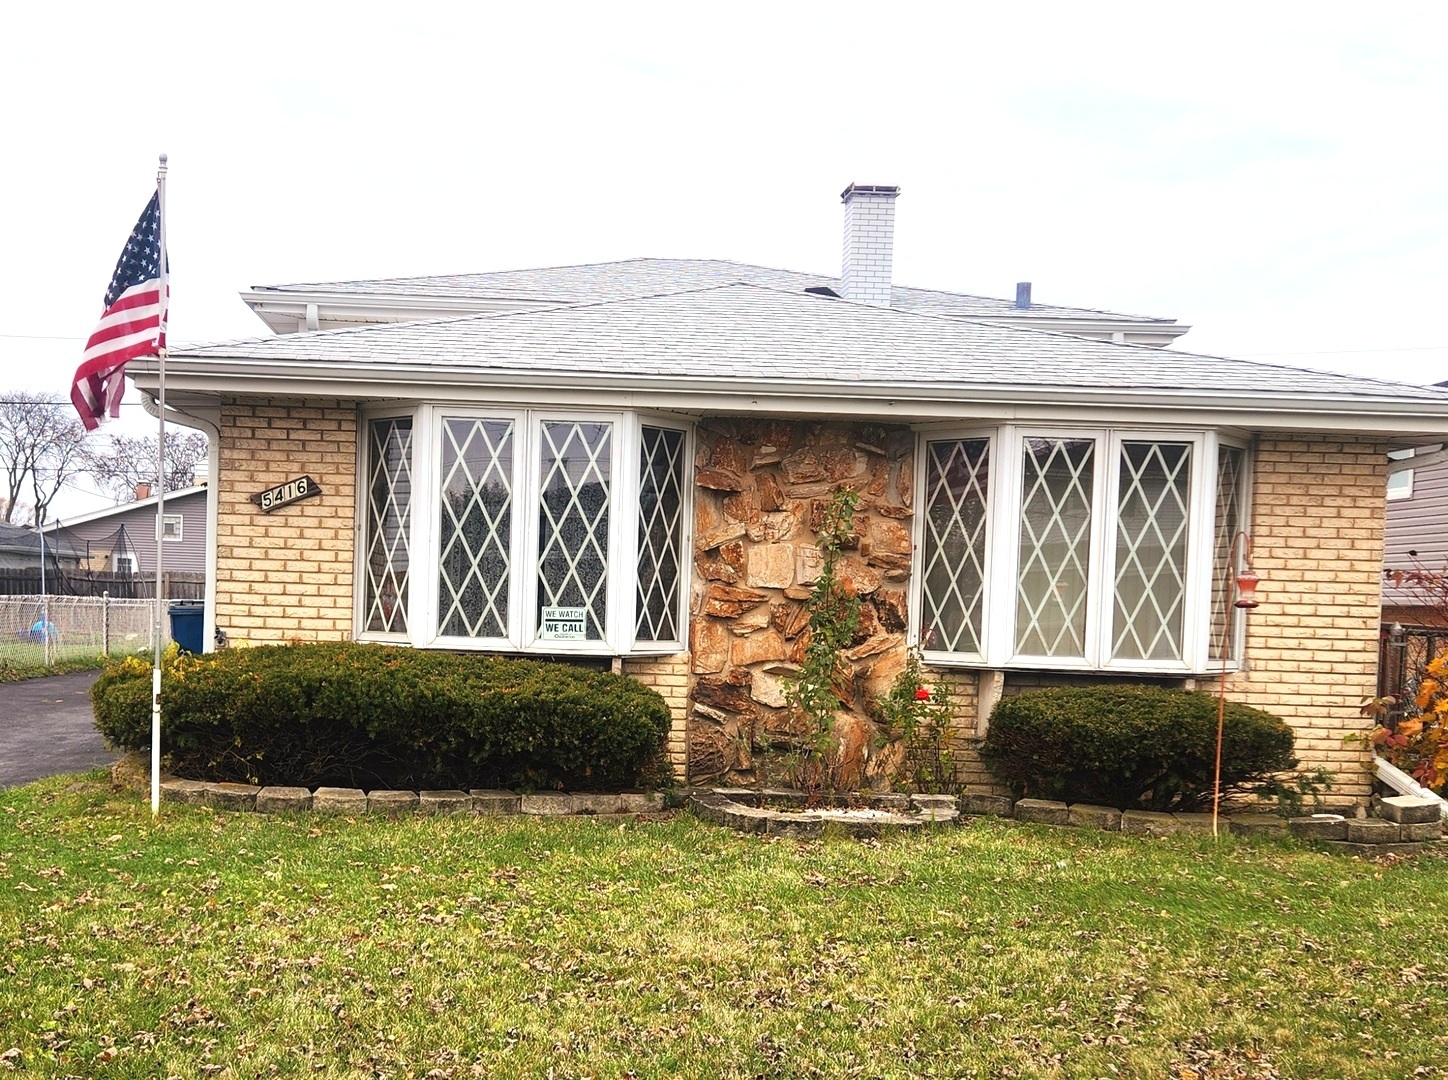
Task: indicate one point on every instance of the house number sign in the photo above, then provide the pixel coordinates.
(274, 498)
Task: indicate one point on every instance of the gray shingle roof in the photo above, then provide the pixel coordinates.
(744, 335)
(645, 277)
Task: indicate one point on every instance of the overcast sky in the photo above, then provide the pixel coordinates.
(1272, 174)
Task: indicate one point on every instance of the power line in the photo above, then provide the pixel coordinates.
(41, 337)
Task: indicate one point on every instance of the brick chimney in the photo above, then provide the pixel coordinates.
(143, 491)
(869, 243)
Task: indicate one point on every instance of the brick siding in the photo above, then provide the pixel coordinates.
(669, 675)
(288, 574)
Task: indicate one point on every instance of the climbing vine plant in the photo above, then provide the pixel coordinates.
(834, 615)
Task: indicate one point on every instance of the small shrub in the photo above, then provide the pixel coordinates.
(920, 717)
(1418, 743)
(1131, 746)
(381, 716)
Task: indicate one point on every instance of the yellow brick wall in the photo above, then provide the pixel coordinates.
(669, 675)
(1312, 646)
(288, 574)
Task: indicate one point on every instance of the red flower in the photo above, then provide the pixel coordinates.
(922, 694)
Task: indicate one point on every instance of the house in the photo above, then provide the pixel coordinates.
(21, 547)
(627, 464)
(120, 541)
(1415, 570)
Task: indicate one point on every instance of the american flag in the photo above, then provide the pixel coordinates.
(133, 323)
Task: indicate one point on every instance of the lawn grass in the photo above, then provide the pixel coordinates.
(213, 943)
(28, 662)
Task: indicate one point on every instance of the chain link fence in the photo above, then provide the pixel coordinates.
(39, 630)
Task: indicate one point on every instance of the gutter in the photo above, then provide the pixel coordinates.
(213, 492)
(1404, 784)
(919, 401)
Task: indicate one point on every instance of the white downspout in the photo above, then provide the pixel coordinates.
(213, 470)
(1404, 784)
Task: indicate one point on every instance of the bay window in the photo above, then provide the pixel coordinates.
(540, 530)
(1075, 549)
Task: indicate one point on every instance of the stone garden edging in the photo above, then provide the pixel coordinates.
(356, 802)
(1407, 825)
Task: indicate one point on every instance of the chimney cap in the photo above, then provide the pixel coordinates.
(888, 190)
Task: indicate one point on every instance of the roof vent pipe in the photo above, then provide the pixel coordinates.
(869, 243)
(1023, 295)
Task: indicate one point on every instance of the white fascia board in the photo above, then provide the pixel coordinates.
(915, 404)
(1066, 324)
(283, 311)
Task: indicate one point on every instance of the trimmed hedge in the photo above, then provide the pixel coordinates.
(375, 716)
(1131, 746)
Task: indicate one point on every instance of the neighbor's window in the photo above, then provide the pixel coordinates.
(171, 526)
(1400, 484)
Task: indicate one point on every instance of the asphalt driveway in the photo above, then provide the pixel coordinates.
(46, 728)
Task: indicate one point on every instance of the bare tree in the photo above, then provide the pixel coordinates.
(125, 461)
(41, 448)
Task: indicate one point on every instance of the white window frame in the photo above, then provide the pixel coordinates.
(366, 418)
(993, 437)
(124, 562)
(1237, 639)
(1002, 554)
(168, 534)
(686, 533)
(425, 532)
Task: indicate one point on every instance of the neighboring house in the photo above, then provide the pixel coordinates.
(627, 464)
(1415, 570)
(122, 539)
(20, 549)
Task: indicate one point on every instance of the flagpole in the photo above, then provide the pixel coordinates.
(160, 619)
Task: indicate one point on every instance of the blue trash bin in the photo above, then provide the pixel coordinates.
(188, 618)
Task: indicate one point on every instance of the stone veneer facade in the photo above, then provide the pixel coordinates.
(761, 492)
(761, 488)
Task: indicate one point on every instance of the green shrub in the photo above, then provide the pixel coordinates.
(381, 716)
(1131, 746)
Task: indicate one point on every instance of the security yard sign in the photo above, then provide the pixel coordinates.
(564, 624)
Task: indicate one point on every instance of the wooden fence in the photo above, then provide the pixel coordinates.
(25, 581)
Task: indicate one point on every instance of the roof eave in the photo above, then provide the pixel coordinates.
(911, 402)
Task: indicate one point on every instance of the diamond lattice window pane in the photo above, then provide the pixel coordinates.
(953, 553)
(1055, 547)
(389, 504)
(1152, 512)
(1226, 525)
(475, 526)
(573, 519)
(661, 504)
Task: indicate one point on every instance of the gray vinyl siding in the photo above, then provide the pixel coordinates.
(134, 530)
(1418, 523)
